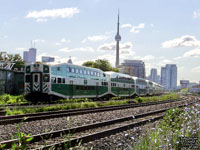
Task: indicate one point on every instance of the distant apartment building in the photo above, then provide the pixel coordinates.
(133, 68)
(184, 83)
(30, 56)
(169, 77)
(153, 75)
(48, 59)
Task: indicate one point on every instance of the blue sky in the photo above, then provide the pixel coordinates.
(158, 32)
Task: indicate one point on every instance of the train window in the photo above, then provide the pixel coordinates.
(84, 71)
(53, 80)
(36, 78)
(28, 78)
(95, 73)
(67, 69)
(104, 75)
(59, 80)
(77, 70)
(92, 73)
(98, 74)
(58, 68)
(72, 70)
(88, 72)
(46, 78)
(81, 71)
(63, 80)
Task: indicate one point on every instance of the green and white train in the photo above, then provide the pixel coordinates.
(73, 81)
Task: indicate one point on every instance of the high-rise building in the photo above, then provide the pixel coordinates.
(133, 68)
(48, 59)
(117, 39)
(169, 77)
(26, 56)
(153, 75)
(30, 56)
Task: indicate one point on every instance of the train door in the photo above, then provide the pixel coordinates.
(97, 89)
(36, 82)
(71, 91)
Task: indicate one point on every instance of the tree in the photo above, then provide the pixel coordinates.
(16, 58)
(102, 64)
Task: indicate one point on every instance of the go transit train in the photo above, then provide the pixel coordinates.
(73, 81)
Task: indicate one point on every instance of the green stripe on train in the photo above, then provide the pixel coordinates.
(73, 90)
(122, 91)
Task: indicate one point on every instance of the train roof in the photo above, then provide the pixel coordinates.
(76, 66)
(115, 74)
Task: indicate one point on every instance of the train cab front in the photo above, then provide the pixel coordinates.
(37, 78)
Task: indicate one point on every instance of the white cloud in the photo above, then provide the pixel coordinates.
(136, 29)
(44, 15)
(63, 40)
(80, 49)
(58, 44)
(148, 57)
(184, 41)
(126, 25)
(192, 53)
(152, 25)
(109, 32)
(112, 46)
(196, 69)
(41, 20)
(166, 61)
(21, 49)
(38, 41)
(4, 37)
(196, 14)
(95, 38)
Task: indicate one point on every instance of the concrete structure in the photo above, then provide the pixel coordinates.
(184, 83)
(48, 59)
(133, 68)
(195, 89)
(30, 56)
(117, 39)
(69, 60)
(153, 75)
(26, 56)
(169, 77)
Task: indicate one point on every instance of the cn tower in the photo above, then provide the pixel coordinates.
(117, 39)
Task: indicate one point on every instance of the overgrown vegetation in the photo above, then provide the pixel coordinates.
(170, 96)
(77, 103)
(9, 99)
(66, 106)
(177, 123)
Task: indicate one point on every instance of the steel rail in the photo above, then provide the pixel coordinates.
(55, 134)
(4, 120)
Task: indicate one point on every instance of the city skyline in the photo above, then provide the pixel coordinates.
(156, 32)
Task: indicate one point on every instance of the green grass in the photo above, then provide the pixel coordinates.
(80, 103)
(170, 96)
(177, 123)
(9, 99)
(66, 106)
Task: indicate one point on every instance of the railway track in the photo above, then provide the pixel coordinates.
(4, 120)
(81, 133)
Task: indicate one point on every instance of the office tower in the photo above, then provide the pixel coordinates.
(48, 59)
(133, 68)
(169, 77)
(153, 75)
(30, 56)
(26, 56)
(117, 39)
